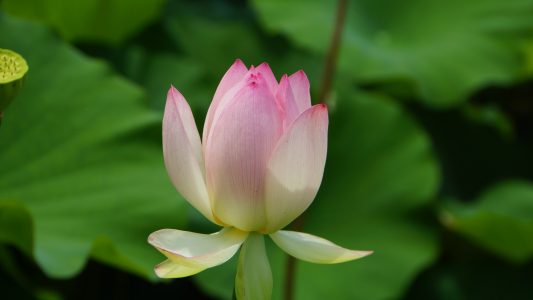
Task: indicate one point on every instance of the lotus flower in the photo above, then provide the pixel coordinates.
(257, 167)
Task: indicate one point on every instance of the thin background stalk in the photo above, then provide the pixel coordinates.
(330, 64)
(323, 96)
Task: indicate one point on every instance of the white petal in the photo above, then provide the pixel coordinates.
(170, 269)
(313, 248)
(254, 277)
(195, 250)
(295, 168)
(182, 150)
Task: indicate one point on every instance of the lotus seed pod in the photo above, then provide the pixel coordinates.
(12, 70)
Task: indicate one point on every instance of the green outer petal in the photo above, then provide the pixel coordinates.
(314, 249)
(254, 277)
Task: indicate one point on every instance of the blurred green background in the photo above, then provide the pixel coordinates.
(430, 152)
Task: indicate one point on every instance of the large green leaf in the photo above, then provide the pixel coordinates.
(446, 49)
(501, 220)
(379, 176)
(86, 191)
(109, 21)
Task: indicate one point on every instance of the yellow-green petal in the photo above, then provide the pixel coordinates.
(170, 269)
(194, 250)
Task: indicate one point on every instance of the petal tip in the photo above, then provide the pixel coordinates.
(152, 238)
(172, 89)
(351, 255)
(363, 253)
(239, 63)
(267, 72)
(173, 94)
(320, 109)
(152, 241)
(283, 83)
(157, 271)
(300, 73)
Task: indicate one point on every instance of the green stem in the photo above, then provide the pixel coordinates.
(254, 276)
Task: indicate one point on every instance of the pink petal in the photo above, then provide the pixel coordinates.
(182, 151)
(286, 101)
(234, 74)
(228, 99)
(296, 167)
(300, 89)
(240, 143)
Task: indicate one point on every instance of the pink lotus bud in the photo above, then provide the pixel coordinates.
(264, 149)
(258, 167)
